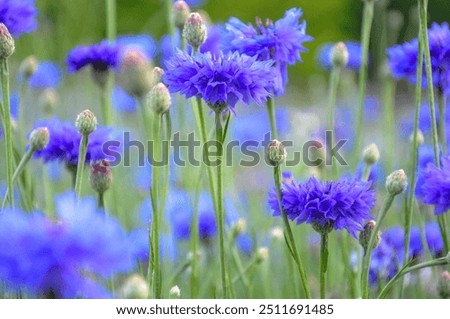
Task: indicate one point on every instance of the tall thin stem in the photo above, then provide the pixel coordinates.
(332, 94)
(106, 102)
(4, 76)
(442, 133)
(290, 236)
(272, 117)
(80, 165)
(365, 40)
(111, 18)
(323, 263)
(169, 19)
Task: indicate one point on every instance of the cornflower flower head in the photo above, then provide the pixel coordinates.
(403, 58)
(281, 41)
(342, 204)
(60, 259)
(221, 81)
(101, 57)
(433, 186)
(19, 16)
(143, 42)
(354, 55)
(47, 75)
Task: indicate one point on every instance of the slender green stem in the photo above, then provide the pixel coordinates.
(272, 117)
(169, 20)
(101, 200)
(323, 263)
(332, 94)
(80, 166)
(423, 5)
(19, 169)
(106, 102)
(389, 119)
(238, 263)
(111, 18)
(290, 236)
(366, 172)
(365, 40)
(195, 236)
(220, 208)
(441, 105)
(432, 263)
(4, 77)
(168, 136)
(49, 192)
(21, 120)
(368, 252)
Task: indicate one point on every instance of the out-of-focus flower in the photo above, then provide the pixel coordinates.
(19, 16)
(122, 101)
(101, 57)
(354, 55)
(143, 42)
(47, 75)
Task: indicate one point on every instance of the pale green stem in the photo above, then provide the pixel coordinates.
(323, 263)
(168, 132)
(272, 117)
(80, 166)
(389, 119)
(111, 18)
(332, 94)
(366, 172)
(21, 120)
(105, 92)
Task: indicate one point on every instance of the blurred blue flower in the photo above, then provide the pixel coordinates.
(376, 175)
(281, 41)
(61, 259)
(143, 42)
(354, 55)
(220, 81)
(19, 16)
(47, 75)
(342, 204)
(100, 57)
(434, 238)
(122, 101)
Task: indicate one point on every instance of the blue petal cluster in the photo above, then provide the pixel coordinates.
(19, 16)
(342, 204)
(100, 57)
(403, 58)
(433, 186)
(64, 142)
(281, 41)
(60, 259)
(47, 75)
(221, 81)
(354, 55)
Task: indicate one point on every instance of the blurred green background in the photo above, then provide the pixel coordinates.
(66, 23)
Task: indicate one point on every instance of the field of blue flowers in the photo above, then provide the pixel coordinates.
(195, 169)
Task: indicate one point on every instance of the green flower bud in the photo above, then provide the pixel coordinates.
(157, 74)
(339, 55)
(174, 292)
(277, 233)
(396, 182)
(364, 236)
(86, 122)
(159, 99)
(262, 254)
(371, 154)
(7, 46)
(28, 67)
(194, 31)
(47, 101)
(181, 13)
(275, 153)
(239, 227)
(135, 75)
(420, 138)
(39, 138)
(444, 285)
(100, 176)
(135, 287)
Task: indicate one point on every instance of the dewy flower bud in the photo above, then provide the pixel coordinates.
(135, 287)
(136, 73)
(7, 46)
(86, 122)
(444, 285)
(364, 236)
(47, 101)
(39, 138)
(262, 254)
(28, 67)
(159, 99)
(275, 153)
(339, 55)
(181, 12)
(371, 154)
(100, 176)
(174, 292)
(396, 182)
(157, 74)
(194, 31)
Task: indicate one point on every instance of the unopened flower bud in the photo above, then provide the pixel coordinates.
(262, 254)
(420, 138)
(135, 75)
(135, 287)
(100, 176)
(339, 55)
(39, 138)
(28, 67)
(157, 74)
(444, 285)
(371, 154)
(86, 122)
(277, 233)
(47, 101)
(181, 13)
(396, 182)
(275, 153)
(194, 31)
(174, 292)
(364, 236)
(7, 46)
(159, 99)
(239, 227)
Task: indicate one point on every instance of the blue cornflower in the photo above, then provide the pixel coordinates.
(47, 75)
(61, 259)
(19, 16)
(354, 55)
(122, 101)
(101, 57)
(220, 81)
(434, 238)
(376, 174)
(281, 41)
(433, 186)
(338, 204)
(65, 140)
(143, 42)
(403, 58)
